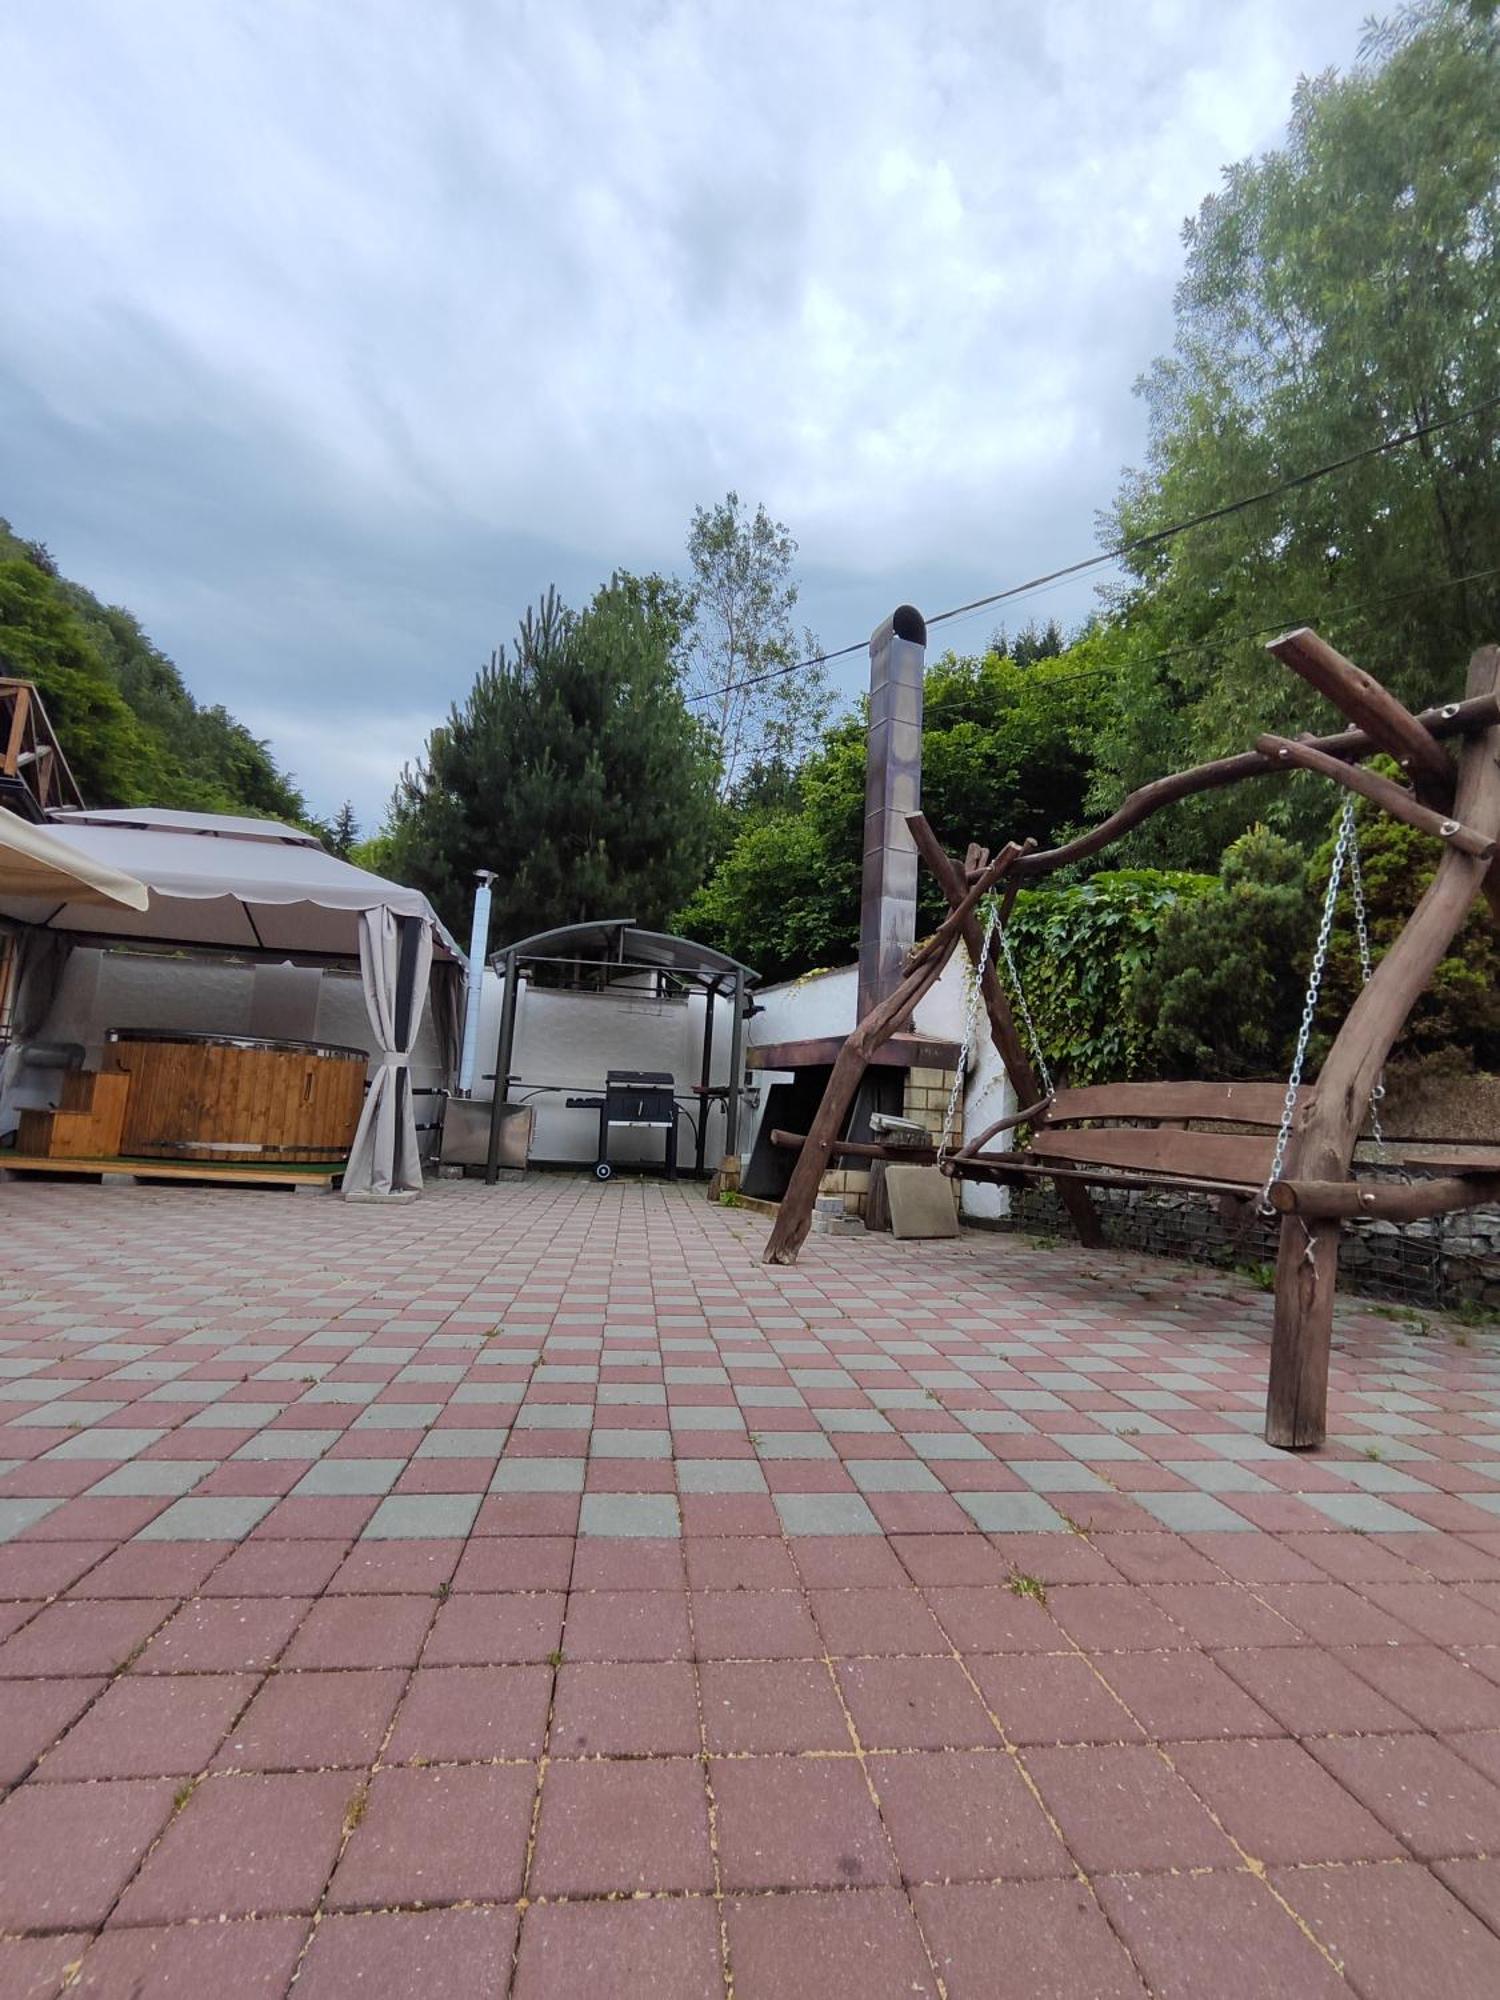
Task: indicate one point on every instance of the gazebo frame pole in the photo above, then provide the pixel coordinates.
(504, 1055)
(705, 1071)
(736, 1069)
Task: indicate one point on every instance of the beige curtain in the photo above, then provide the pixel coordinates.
(395, 960)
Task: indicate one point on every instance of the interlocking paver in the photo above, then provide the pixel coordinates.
(560, 1472)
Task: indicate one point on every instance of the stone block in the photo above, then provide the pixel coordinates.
(921, 1201)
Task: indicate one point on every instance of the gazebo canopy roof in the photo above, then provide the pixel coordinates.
(621, 942)
(219, 880)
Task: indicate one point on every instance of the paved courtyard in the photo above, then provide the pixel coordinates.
(528, 1592)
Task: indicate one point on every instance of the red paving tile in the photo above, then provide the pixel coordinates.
(1311, 1692)
(1394, 1930)
(312, 1721)
(1120, 1808)
(797, 1823)
(66, 1851)
(161, 1727)
(33, 1968)
(914, 1705)
(771, 1705)
(633, 1709)
(965, 1817)
(1025, 1941)
(620, 1828)
(437, 1952)
(860, 1944)
(240, 1847)
(251, 1960)
(438, 1837)
(384, 1631)
(33, 1714)
(1281, 1805)
(1221, 1934)
(1184, 1694)
(627, 1625)
(1430, 1798)
(471, 1714)
(668, 1948)
(1052, 1698)
(753, 1625)
(81, 1637)
(224, 1635)
(492, 1629)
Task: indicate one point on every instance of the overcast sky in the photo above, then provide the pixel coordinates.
(333, 331)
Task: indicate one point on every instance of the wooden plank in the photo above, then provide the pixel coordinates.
(1307, 1261)
(821, 1051)
(861, 1149)
(1021, 1167)
(1370, 707)
(1241, 1103)
(1434, 1157)
(1242, 1158)
(175, 1170)
(1391, 798)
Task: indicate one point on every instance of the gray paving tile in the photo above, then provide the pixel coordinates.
(235, 1417)
(1011, 1513)
(643, 1444)
(891, 1475)
(106, 1442)
(1059, 1475)
(481, 1442)
(16, 1516)
(414, 1516)
(719, 1475)
(397, 1416)
(350, 1476)
(629, 1515)
(538, 1475)
(153, 1475)
(1368, 1512)
(271, 1445)
(554, 1417)
(226, 1519)
(791, 1444)
(825, 1514)
(1191, 1513)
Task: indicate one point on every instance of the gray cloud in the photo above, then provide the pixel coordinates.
(332, 336)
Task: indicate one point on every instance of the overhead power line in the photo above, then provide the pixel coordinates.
(1132, 546)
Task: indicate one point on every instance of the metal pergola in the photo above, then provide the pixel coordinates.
(616, 948)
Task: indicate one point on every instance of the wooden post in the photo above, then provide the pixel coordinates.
(1006, 1037)
(794, 1216)
(1307, 1260)
(1373, 708)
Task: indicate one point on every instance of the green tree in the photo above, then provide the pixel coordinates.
(1220, 993)
(741, 642)
(1005, 756)
(573, 769)
(130, 729)
(1341, 289)
(343, 835)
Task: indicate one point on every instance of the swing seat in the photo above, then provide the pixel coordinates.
(1147, 1135)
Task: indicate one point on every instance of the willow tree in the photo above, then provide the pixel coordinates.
(1340, 290)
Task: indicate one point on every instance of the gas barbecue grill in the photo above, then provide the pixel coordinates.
(634, 1098)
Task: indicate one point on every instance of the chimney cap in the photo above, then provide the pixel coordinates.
(908, 623)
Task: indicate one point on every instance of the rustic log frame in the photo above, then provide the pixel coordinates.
(1460, 806)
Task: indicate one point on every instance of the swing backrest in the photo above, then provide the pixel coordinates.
(1158, 1139)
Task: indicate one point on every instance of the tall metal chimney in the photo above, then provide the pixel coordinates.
(893, 788)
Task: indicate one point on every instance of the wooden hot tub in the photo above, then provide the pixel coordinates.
(228, 1097)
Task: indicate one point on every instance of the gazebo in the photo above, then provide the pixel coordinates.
(265, 892)
(615, 953)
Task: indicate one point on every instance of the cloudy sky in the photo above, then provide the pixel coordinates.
(333, 331)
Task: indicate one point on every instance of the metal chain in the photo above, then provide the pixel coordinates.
(1346, 851)
(1018, 993)
(1310, 1004)
(971, 1021)
(1362, 933)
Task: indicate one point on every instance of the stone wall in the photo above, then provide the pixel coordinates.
(1446, 1261)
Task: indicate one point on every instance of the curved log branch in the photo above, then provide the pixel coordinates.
(1380, 791)
(1460, 718)
(1371, 707)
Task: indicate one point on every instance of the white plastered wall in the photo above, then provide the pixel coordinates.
(824, 1004)
(566, 1042)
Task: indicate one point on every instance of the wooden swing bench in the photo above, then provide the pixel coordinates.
(1291, 1149)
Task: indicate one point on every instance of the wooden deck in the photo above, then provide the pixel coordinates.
(240, 1174)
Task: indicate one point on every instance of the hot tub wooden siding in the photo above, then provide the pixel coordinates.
(230, 1098)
